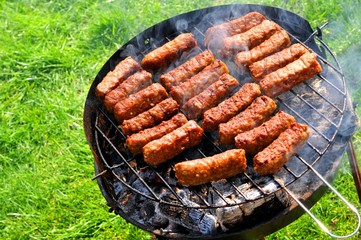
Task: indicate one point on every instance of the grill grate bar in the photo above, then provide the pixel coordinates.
(111, 122)
(126, 162)
(249, 178)
(305, 120)
(169, 187)
(335, 87)
(320, 57)
(323, 97)
(314, 108)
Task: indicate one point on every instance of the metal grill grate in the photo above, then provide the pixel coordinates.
(321, 103)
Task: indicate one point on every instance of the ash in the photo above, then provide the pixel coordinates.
(172, 210)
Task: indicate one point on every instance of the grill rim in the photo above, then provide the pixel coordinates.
(109, 65)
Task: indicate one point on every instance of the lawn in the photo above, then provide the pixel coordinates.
(50, 52)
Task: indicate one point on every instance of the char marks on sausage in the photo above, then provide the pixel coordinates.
(215, 34)
(254, 115)
(122, 71)
(258, 138)
(139, 102)
(231, 106)
(137, 141)
(210, 97)
(271, 159)
(132, 84)
(161, 57)
(199, 82)
(160, 112)
(291, 75)
(187, 70)
(275, 43)
(249, 39)
(275, 61)
(173, 143)
(223, 165)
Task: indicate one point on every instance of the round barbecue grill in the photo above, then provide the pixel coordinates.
(245, 206)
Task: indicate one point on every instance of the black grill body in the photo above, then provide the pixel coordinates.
(322, 103)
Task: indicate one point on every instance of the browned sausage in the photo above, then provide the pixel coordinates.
(122, 71)
(278, 153)
(161, 57)
(230, 107)
(275, 61)
(139, 102)
(258, 112)
(275, 43)
(199, 82)
(137, 141)
(213, 95)
(173, 143)
(160, 112)
(186, 70)
(249, 39)
(258, 138)
(236, 26)
(214, 168)
(132, 84)
(291, 75)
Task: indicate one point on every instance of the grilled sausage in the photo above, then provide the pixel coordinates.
(137, 141)
(160, 112)
(275, 43)
(258, 112)
(139, 102)
(291, 75)
(258, 138)
(275, 61)
(249, 39)
(186, 70)
(161, 57)
(213, 95)
(214, 168)
(199, 82)
(278, 153)
(173, 143)
(122, 71)
(214, 34)
(132, 84)
(230, 107)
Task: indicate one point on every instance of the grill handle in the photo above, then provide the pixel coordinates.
(319, 223)
(354, 168)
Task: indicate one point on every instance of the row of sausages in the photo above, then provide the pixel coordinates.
(202, 88)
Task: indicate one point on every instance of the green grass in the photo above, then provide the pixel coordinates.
(50, 51)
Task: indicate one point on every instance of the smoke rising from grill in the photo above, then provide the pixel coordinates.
(240, 202)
